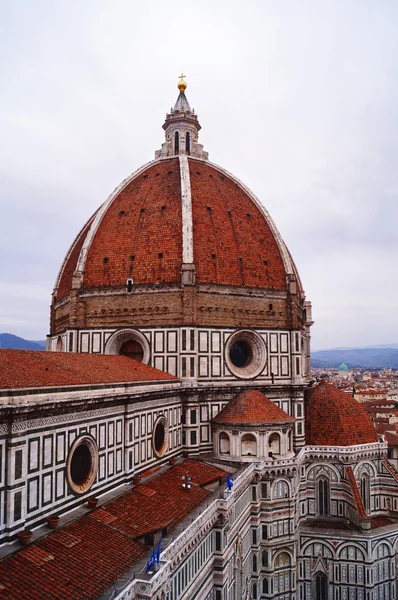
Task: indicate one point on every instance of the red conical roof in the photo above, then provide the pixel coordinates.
(334, 418)
(251, 408)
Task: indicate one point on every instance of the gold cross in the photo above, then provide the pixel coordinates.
(182, 76)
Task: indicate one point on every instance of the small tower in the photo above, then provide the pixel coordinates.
(181, 128)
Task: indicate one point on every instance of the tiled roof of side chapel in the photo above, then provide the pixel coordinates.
(82, 559)
(34, 368)
(334, 418)
(251, 407)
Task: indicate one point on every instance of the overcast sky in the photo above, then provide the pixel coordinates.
(298, 98)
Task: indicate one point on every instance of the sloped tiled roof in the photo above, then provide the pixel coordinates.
(334, 418)
(33, 368)
(251, 407)
(82, 560)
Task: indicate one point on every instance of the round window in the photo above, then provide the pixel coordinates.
(241, 354)
(245, 354)
(159, 437)
(132, 349)
(131, 343)
(82, 464)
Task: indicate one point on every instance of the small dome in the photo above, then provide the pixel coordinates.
(252, 408)
(334, 418)
(343, 367)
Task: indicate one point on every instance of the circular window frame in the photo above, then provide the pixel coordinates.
(161, 420)
(258, 349)
(118, 338)
(91, 444)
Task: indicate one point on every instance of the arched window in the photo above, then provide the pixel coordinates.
(282, 573)
(176, 142)
(59, 344)
(265, 558)
(365, 491)
(280, 490)
(321, 586)
(254, 561)
(274, 444)
(188, 143)
(265, 585)
(224, 443)
(248, 445)
(323, 497)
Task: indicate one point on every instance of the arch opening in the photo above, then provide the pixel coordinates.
(176, 142)
(274, 444)
(365, 491)
(323, 497)
(248, 445)
(321, 586)
(224, 443)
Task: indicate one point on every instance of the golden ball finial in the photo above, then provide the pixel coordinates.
(182, 85)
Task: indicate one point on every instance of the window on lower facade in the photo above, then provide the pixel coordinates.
(321, 586)
(323, 497)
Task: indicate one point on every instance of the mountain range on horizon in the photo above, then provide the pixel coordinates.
(371, 357)
(14, 342)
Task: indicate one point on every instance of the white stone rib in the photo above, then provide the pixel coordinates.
(186, 204)
(101, 212)
(289, 265)
(64, 263)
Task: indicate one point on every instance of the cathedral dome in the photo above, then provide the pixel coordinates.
(180, 242)
(148, 229)
(334, 418)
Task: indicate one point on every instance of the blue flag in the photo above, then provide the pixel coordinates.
(151, 562)
(159, 550)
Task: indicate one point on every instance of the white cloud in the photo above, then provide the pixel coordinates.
(298, 99)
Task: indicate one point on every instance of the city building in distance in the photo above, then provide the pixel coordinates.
(171, 444)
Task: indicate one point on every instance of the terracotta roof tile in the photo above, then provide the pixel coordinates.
(91, 553)
(251, 407)
(143, 221)
(233, 243)
(140, 235)
(334, 418)
(33, 368)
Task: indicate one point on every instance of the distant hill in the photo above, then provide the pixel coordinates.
(372, 358)
(7, 340)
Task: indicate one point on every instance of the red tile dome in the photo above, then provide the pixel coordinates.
(138, 234)
(335, 418)
(251, 407)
